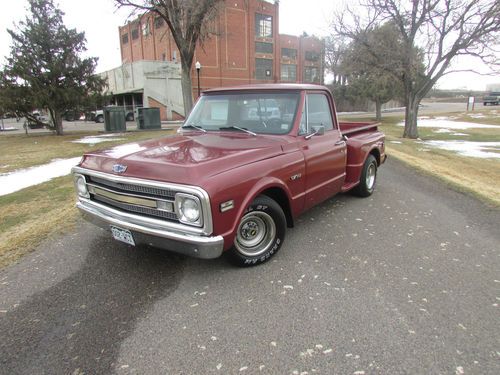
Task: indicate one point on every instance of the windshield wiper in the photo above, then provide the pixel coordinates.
(193, 126)
(238, 128)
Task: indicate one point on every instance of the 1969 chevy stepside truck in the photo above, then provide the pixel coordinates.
(247, 161)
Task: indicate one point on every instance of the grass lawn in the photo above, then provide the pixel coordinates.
(32, 214)
(478, 176)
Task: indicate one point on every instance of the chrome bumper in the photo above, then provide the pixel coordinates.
(151, 232)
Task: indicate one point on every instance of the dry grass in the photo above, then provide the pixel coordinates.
(21, 151)
(478, 176)
(33, 214)
(29, 216)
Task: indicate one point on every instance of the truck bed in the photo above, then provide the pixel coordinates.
(351, 128)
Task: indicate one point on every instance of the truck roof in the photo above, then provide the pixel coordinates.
(269, 86)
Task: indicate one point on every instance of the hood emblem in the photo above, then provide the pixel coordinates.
(119, 168)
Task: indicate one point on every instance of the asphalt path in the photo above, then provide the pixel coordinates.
(404, 282)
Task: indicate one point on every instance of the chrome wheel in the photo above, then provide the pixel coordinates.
(370, 176)
(256, 234)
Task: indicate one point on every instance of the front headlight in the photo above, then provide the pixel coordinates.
(81, 186)
(188, 209)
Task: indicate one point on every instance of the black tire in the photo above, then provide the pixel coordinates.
(368, 178)
(129, 117)
(250, 247)
(99, 119)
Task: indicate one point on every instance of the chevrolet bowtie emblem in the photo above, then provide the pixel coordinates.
(119, 168)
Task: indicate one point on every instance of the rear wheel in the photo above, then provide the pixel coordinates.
(100, 119)
(368, 178)
(260, 233)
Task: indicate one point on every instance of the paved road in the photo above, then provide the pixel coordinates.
(406, 281)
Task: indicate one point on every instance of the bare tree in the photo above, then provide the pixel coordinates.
(335, 48)
(189, 22)
(441, 29)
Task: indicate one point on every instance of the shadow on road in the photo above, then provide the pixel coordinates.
(78, 325)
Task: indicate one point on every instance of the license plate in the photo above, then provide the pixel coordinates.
(123, 235)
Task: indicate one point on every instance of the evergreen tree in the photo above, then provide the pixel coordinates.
(45, 69)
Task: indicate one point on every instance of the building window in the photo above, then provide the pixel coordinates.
(263, 69)
(145, 29)
(289, 53)
(311, 75)
(263, 26)
(135, 34)
(261, 47)
(125, 38)
(288, 73)
(158, 22)
(312, 56)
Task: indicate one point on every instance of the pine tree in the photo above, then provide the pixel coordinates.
(45, 69)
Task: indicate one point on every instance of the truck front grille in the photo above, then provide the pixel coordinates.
(147, 201)
(148, 190)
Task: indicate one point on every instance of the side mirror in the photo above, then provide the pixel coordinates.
(317, 130)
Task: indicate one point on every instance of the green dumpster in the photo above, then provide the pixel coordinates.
(148, 118)
(114, 119)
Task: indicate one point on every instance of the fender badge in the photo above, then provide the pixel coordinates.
(119, 168)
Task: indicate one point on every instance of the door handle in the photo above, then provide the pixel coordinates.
(341, 142)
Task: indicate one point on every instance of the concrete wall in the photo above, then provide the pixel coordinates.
(159, 81)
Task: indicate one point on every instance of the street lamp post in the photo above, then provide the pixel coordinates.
(198, 68)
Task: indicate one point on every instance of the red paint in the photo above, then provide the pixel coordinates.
(239, 166)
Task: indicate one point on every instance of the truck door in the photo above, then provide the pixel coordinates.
(325, 154)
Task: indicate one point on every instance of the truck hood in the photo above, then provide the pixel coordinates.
(185, 159)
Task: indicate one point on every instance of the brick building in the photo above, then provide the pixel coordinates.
(245, 47)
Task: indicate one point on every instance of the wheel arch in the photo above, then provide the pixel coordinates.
(279, 196)
(376, 154)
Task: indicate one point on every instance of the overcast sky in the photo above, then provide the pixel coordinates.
(100, 20)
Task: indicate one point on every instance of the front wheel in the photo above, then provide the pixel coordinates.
(368, 178)
(260, 233)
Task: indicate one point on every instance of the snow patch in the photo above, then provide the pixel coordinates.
(94, 139)
(23, 178)
(468, 148)
(446, 123)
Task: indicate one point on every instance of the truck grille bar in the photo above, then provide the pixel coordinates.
(153, 191)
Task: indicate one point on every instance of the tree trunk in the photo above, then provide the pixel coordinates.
(378, 110)
(411, 114)
(187, 89)
(56, 121)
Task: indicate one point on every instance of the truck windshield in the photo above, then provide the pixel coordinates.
(264, 113)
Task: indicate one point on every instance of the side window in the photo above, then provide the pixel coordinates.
(318, 111)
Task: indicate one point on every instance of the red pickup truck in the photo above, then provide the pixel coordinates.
(247, 161)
